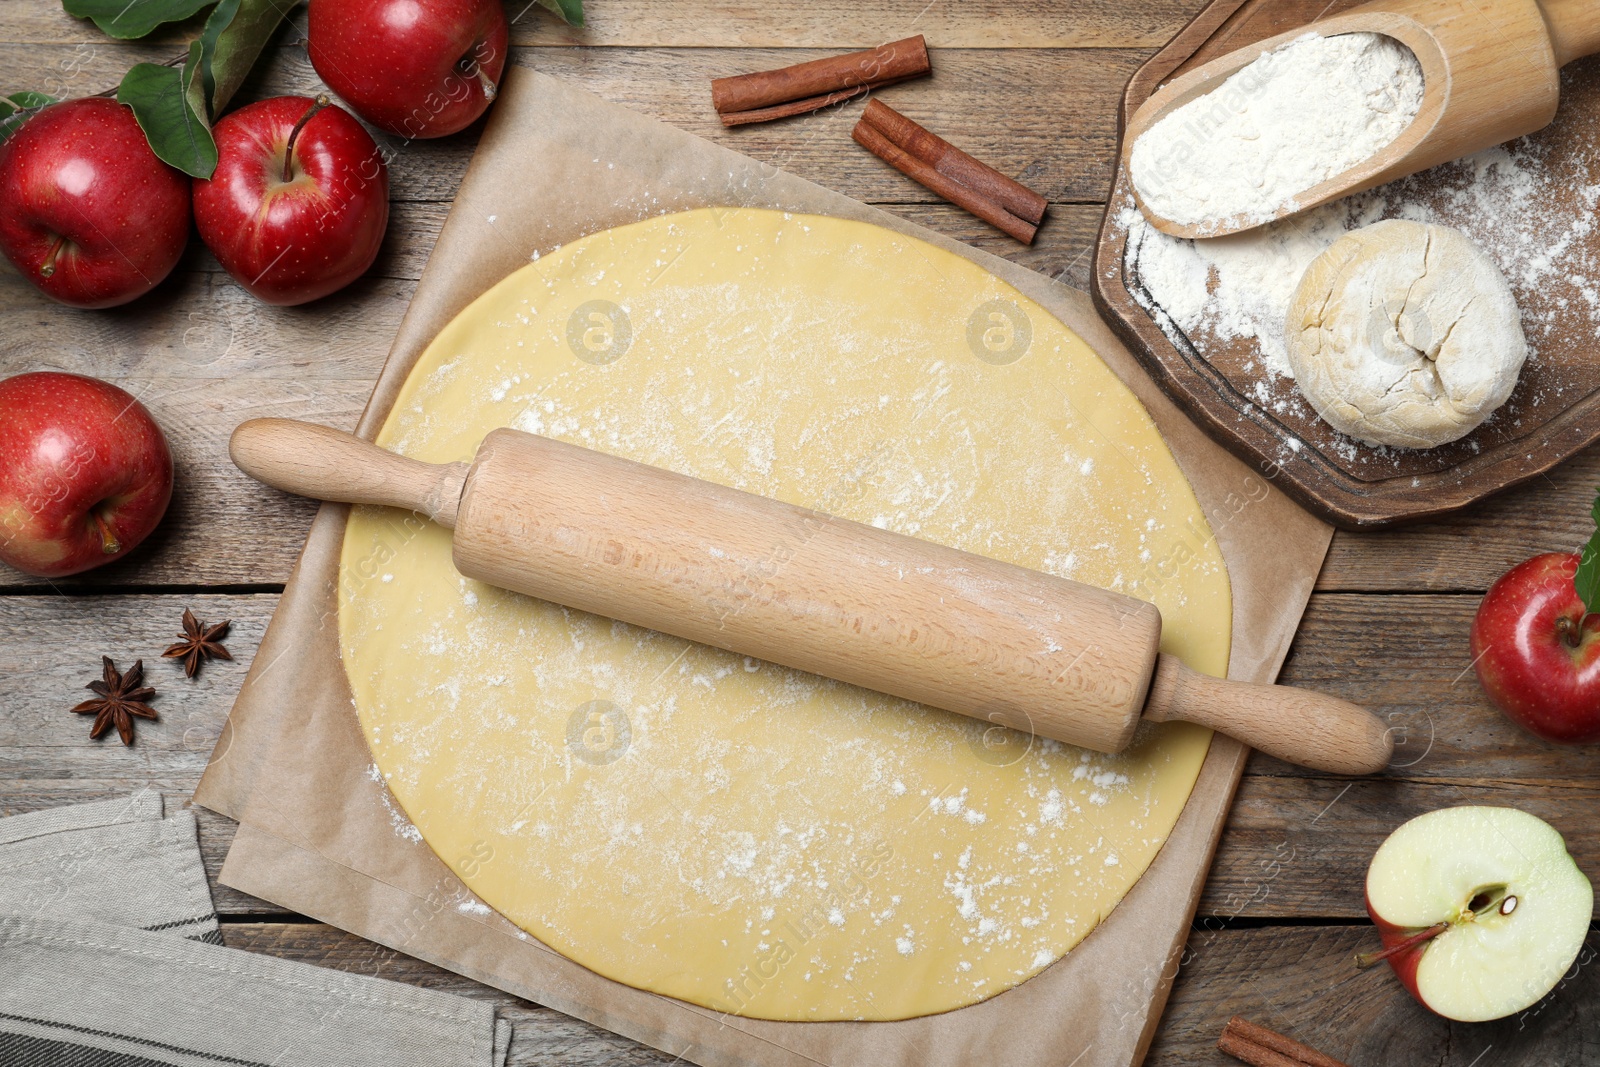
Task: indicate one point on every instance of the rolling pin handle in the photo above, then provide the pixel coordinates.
(1574, 28)
(1310, 729)
(328, 464)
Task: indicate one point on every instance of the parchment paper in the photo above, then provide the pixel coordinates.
(320, 836)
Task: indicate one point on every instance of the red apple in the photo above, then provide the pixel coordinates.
(1481, 910)
(1537, 653)
(417, 68)
(85, 474)
(299, 201)
(87, 211)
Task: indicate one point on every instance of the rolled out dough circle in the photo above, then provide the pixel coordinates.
(737, 835)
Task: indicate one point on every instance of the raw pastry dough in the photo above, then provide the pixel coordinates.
(720, 830)
(1405, 333)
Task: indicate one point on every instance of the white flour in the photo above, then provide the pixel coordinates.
(1238, 286)
(1292, 119)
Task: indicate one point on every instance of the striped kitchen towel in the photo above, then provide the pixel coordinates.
(110, 957)
(119, 861)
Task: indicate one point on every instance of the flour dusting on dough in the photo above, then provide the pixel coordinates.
(722, 830)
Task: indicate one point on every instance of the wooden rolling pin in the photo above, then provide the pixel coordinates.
(781, 583)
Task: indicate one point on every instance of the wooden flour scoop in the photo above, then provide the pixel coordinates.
(781, 583)
(1491, 72)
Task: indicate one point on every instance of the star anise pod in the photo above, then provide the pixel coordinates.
(198, 644)
(120, 697)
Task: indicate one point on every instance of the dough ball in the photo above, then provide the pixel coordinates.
(1405, 333)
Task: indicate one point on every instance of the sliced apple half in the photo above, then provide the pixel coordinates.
(1481, 910)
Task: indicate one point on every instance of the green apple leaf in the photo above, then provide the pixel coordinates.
(19, 108)
(571, 11)
(192, 78)
(1588, 577)
(239, 42)
(164, 101)
(216, 22)
(132, 18)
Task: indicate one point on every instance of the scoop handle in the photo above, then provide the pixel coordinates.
(1309, 729)
(328, 464)
(1574, 28)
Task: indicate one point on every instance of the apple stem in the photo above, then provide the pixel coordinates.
(109, 542)
(317, 105)
(48, 267)
(468, 66)
(1367, 959)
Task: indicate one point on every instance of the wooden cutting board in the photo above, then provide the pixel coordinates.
(1261, 416)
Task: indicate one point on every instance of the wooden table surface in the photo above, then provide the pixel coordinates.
(1028, 85)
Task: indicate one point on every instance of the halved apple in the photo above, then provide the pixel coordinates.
(1481, 910)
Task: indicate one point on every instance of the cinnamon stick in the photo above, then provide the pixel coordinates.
(775, 94)
(873, 140)
(1258, 1046)
(922, 171)
(1253, 1054)
(952, 162)
(794, 107)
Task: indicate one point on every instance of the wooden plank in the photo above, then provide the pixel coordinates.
(1062, 250)
(82, 62)
(1407, 658)
(198, 327)
(1062, 143)
(1469, 550)
(1295, 845)
(52, 647)
(224, 321)
(1402, 656)
(835, 24)
(1299, 981)
(414, 226)
(222, 529)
